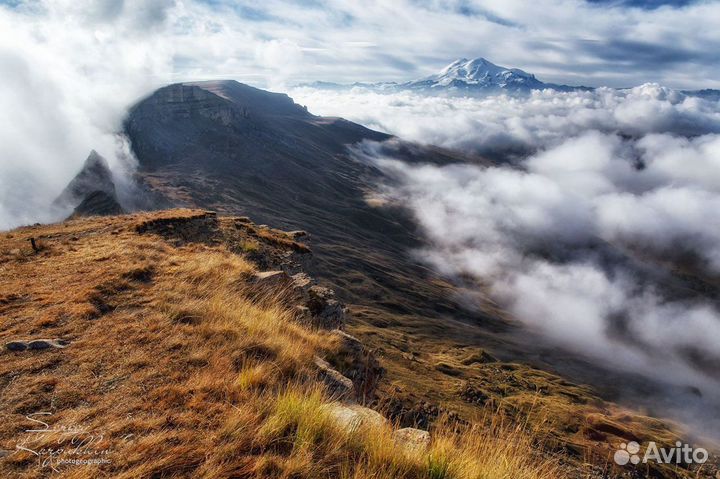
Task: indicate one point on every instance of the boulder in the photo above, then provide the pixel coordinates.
(16, 346)
(411, 439)
(351, 417)
(339, 386)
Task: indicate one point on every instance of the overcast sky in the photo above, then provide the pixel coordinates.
(274, 42)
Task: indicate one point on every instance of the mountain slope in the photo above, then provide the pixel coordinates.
(238, 150)
(150, 346)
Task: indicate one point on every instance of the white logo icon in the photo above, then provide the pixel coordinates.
(627, 453)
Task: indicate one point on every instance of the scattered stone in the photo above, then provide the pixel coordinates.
(5, 453)
(409, 356)
(340, 386)
(404, 410)
(352, 417)
(473, 394)
(411, 439)
(36, 344)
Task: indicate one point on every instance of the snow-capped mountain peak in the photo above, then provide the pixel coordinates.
(480, 72)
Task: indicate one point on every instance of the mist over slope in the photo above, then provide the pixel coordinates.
(599, 227)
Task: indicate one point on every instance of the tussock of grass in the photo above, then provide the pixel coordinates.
(186, 375)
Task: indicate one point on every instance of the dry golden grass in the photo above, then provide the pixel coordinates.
(176, 369)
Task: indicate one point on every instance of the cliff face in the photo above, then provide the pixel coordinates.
(228, 125)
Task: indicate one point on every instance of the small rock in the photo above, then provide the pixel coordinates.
(411, 439)
(5, 452)
(16, 346)
(351, 417)
(339, 385)
(46, 344)
(297, 234)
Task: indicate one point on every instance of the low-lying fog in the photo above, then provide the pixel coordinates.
(606, 192)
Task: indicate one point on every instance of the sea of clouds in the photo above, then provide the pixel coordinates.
(595, 196)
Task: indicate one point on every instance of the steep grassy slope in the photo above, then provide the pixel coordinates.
(166, 358)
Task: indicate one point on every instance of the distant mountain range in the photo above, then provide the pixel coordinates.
(478, 76)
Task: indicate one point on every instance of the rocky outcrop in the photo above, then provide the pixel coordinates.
(324, 310)
(94, 176)
(351, 371)
(327, 311)
(358, 363)
(338, 385)
(182, 229)
(314, 304)
(98, 203)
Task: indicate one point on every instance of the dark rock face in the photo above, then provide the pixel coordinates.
(94, 176)
(92, 191)
(98, 203)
